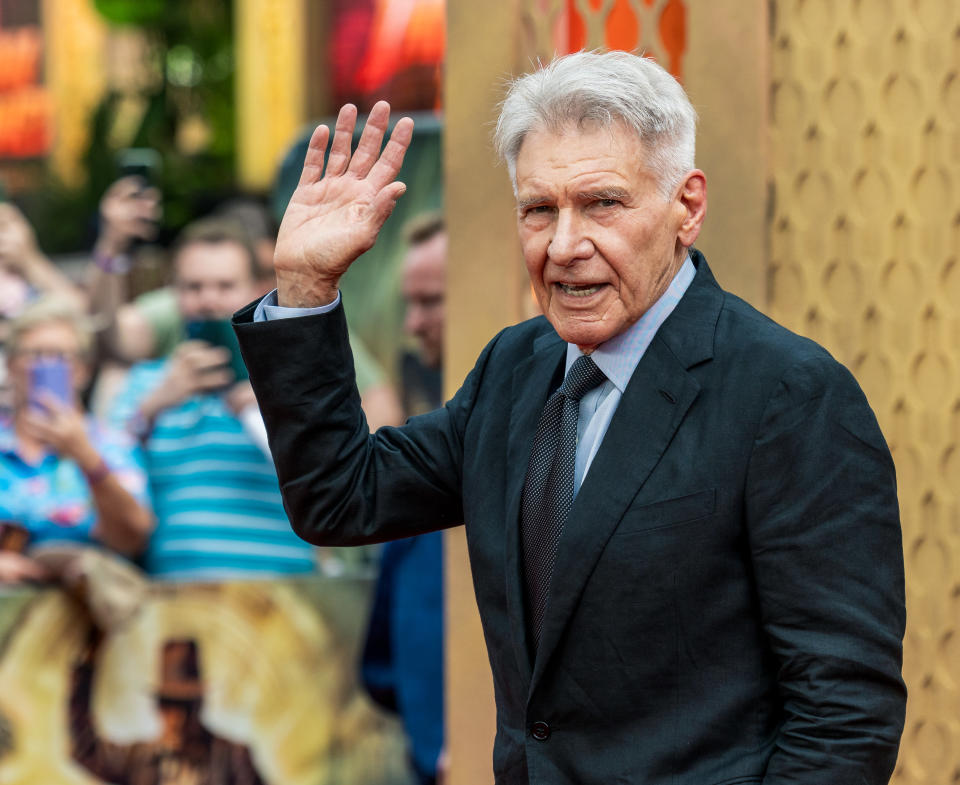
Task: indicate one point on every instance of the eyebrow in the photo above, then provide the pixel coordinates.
(618, 194)
(604, 193)
(530, 201)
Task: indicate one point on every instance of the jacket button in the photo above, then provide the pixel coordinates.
(540, 731)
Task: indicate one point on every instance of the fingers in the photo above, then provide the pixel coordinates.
(339, 157)
(370, 140)
(206, 365)
(388, 164)
(367, 159)
(316, 150)
(214, 379)
(123, 188)
(52, 404)
(44, 429)
(201, 356)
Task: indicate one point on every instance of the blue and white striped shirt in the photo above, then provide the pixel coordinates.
(215, 493)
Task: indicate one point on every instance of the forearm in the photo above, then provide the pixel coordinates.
(123, 524)
(107, 292)
(101, 758)
(342, 486)
(43, 275)
(160, 398)
(122, 331)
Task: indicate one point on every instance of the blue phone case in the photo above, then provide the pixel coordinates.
(51, 376)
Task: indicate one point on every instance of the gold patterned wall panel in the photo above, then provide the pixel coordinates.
(864, 242)
(655, 27)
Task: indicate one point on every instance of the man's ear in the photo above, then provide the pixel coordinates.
(693, 197)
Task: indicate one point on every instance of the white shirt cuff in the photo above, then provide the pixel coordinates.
(268, 310)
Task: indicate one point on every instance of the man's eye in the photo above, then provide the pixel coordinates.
(607, 202)
(537, 209)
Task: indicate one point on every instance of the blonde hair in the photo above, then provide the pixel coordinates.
(46, 310)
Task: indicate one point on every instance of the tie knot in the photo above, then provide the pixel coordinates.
(582, 377)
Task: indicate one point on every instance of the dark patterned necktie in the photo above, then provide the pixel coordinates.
(548, 487)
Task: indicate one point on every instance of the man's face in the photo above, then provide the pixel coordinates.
(213, 280)
(424, 284)
(600, 241)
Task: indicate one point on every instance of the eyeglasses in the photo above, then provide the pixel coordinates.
(33, 355)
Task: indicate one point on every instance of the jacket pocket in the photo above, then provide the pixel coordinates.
(669, 512)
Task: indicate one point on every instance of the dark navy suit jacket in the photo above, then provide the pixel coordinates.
(727, 604)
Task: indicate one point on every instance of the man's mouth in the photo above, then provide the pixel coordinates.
(579, 290)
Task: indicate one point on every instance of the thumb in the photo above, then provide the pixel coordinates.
(386, 200)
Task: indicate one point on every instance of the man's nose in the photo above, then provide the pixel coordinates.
(569, 242)
(209, 298)
(412, 320)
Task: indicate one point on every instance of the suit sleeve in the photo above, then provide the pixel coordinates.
(824, 533)
(341, 484)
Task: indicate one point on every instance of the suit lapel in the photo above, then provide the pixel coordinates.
(655, 402)
(533, 381)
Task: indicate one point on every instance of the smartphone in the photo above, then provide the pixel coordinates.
(50, 375)
(142, 162)
(219, 332)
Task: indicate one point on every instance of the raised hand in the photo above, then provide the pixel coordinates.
(333, 218)
(195, 367)
(63, 428)
(129, 211)
(18, 241)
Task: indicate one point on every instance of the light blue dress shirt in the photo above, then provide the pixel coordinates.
(617, 358)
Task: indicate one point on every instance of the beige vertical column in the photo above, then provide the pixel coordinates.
(726, 74)
(270, 41)
(484, 287)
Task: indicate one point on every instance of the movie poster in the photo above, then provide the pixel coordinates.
(238, 683)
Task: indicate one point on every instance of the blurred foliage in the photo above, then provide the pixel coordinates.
(185, 100)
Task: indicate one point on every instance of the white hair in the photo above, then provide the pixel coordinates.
(604, 89)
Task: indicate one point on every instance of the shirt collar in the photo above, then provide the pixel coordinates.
(618, 357)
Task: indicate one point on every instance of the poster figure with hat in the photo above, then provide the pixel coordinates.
(185, 753)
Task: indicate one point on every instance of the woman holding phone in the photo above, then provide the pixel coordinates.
(64, 479)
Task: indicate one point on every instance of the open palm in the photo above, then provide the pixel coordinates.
(336, 215)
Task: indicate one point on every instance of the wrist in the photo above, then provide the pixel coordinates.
(112, 263)
(31, 260)
(295, 290)
(97, 473)
(140, 425)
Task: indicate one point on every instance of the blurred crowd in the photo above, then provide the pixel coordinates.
(132, 447)
(126, 418)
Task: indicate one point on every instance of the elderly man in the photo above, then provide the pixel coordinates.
(682, 519)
